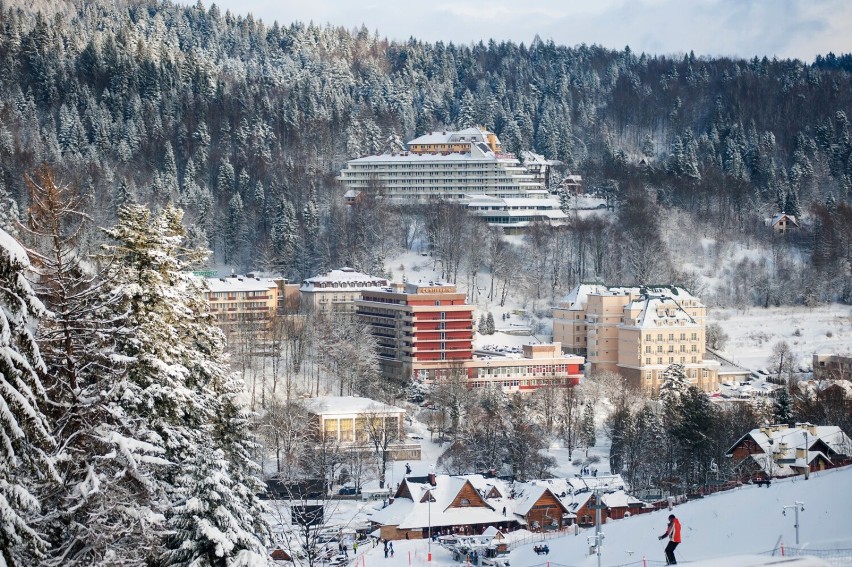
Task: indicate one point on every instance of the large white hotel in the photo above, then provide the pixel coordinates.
(445, 165)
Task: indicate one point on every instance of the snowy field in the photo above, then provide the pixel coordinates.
(747, 520)
(752, 332)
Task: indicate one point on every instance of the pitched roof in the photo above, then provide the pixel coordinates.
(418, 513)
(782, 440)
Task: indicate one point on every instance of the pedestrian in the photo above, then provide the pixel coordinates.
(407, 468)
(595, 473)
(354, 548)
(673, 533)
(386, 549)
(391, 549)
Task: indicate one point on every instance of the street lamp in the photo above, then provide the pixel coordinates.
(796, 506)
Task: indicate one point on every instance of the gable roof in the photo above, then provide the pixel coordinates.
(418, 512)
(781, 440)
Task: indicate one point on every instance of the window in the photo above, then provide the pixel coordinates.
(671, 336)
(659, 360)
(648, 349)
(671, 360)
(464, 502)
(648, 360)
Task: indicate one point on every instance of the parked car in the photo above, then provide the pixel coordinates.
(348, 491)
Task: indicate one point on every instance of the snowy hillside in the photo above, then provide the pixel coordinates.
(748, 520)
(825, 329)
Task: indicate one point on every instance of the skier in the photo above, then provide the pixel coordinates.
(673, 533)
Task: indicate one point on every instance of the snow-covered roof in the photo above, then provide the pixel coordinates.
(781, 216)
(451, 137)
(417, 512)
(658, 311)
(240, 283)
(782, 441)
(332, 405)
(577, 297)
(476, 156)
(620, 499)
(344, 278)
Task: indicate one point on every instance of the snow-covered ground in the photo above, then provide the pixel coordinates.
(747, 520)
(752, 332)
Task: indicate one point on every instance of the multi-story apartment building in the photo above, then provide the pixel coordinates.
(637, 332)
(417, 176)
(336, 291)
(245, 303)
(425, 332)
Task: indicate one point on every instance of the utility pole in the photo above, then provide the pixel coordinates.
(599, 536)
(796, 506)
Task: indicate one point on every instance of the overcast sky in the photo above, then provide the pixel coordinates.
(783, 28)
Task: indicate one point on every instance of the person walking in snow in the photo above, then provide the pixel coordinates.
(673, 533)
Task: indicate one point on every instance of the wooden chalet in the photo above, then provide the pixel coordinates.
(620, 505)
(540, 510)
(440, 504)
(779, 450)
(783, 223)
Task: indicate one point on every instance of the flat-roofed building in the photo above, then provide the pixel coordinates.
(352, 421)
(422, 322)
(515, 213)
(337, 291)
(414, 177)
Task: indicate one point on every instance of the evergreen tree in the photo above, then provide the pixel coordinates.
(588, 426)
(489, 324)
(26, 442)
(782, 408)
(8, 211)
(175, 366)
(76, 343)
(675, 383)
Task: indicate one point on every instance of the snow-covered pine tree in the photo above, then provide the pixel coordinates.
(674, 386)
(178, 388)
(782, 408)
(588, 426)
(94, 517)
(489, 324)
(25, 438)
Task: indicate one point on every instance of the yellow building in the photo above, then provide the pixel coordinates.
(343, 420)
(445, 142)
(237, 301)
(637, 332)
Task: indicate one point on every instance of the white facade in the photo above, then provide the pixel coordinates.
(413, 177)
(514, 212)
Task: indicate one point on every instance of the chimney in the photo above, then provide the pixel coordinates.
(432, 479)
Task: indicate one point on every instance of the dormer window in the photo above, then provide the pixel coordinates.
(464, 502)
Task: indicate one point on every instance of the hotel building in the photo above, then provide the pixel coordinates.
(336, 291)
(245, 301)
(637, 332)
(425, 332)
(451, 171)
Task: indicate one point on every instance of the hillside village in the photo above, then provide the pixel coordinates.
(285, 293)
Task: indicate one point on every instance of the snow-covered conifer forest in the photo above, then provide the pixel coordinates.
(244, 124)
(141, 140)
